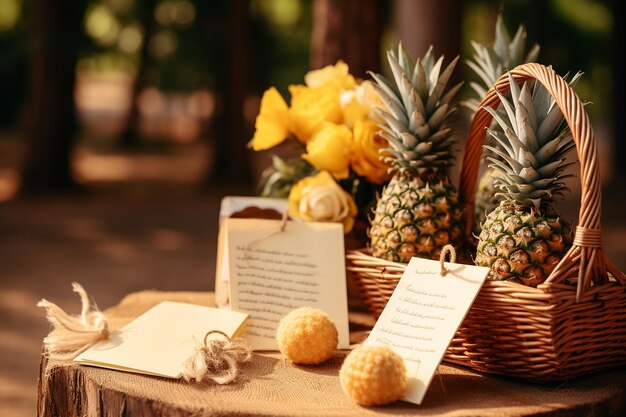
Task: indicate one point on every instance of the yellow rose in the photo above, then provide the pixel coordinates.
(365, 159)
(329, 150)
(337, 74)
(320, 199)
(272, 123)
(367, 95)
(358, 104)
(352, 109)
(311, 107)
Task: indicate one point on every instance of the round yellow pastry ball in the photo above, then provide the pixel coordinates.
(373, 375)
(307, 336)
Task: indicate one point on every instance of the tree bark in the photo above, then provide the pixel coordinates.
(55, 32)
(349, 30)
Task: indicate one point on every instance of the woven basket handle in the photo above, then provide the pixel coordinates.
(585, 261)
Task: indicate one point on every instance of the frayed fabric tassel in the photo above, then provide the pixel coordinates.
(217, 359)
(71, 334)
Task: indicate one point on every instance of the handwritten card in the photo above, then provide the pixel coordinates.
(240, 207)
(273, 272)
(160, 340)
(424, 312)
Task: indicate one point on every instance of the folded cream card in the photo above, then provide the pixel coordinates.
(161, 339)
(274, 270)
(234, 205)
(424, 312)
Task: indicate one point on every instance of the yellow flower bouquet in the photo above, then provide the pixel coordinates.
(331, 117)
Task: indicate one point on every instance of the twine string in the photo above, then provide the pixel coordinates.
(281, 229)
(216, 359)
(72, 334)
(283, 225)
(447, 249)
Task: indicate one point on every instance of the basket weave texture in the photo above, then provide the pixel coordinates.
(572, 324)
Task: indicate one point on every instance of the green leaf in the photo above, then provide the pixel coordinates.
(390, 121)
(405, 60)
(514, 89)
(451, 93)
(419, 79)
(437, 117)
(503, 39)
(516, 48)
(439, 82)
(409, 140)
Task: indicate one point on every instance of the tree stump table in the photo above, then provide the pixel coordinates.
(269, 386)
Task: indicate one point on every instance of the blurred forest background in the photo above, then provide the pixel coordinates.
(105, 91)
(124, 122)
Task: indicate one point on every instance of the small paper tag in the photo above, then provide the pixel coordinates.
(274, 270)
(424, 312)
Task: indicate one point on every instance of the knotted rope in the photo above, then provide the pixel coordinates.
(71, 334)
(216, 359)
(447, 249)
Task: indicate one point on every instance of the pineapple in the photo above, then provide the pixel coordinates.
(489, 63)
(418, 211)
(524, 238)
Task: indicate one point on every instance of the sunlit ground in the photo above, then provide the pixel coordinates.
(144, 220)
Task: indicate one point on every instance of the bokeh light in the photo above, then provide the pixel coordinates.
(151, 102)
(283, 13)
(102, 25)
(175, 12)
(10, 11)
(119, 6)
(163, 44)
(587, 15)
(130, 38)
(201, 104)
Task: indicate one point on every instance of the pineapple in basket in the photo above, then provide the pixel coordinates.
(418, 211)
(489, 63)
(524, 238)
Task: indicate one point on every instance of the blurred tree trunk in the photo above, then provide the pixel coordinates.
(130, 136)
(232, 85)
(349, 30)
(55, 33)
(617, 102)
(421, 23)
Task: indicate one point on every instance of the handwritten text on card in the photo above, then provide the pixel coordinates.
(274, 272)
(422, 315)
(271, 283)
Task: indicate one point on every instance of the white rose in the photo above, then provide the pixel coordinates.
(319, 198)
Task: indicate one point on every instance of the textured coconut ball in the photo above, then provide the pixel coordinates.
(373, 375)
(307, 336)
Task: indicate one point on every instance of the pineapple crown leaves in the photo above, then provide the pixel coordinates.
(416, 106)
(490, 62)
(530, 146)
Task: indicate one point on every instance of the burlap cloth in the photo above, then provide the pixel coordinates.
(269, 386)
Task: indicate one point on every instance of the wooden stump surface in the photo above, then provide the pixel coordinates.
(270, 386)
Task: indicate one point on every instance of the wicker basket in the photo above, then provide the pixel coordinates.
(572, 324)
